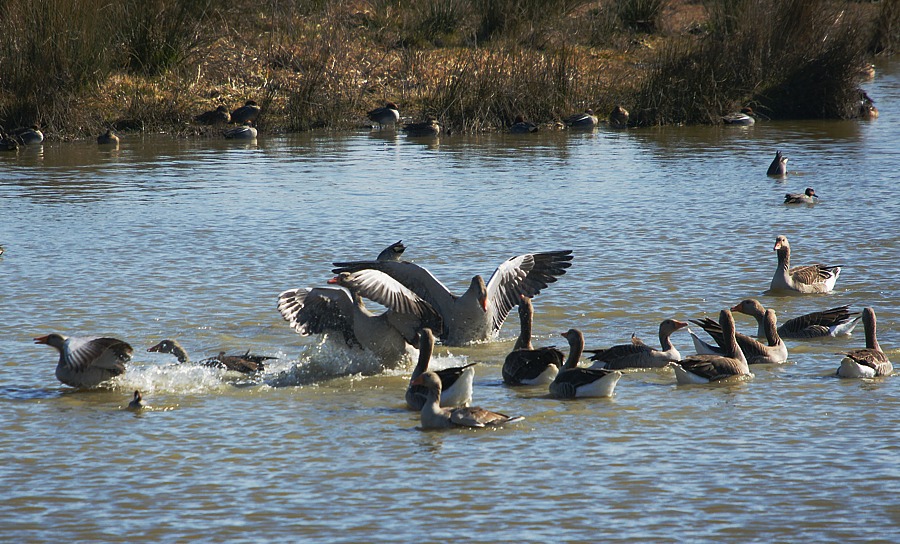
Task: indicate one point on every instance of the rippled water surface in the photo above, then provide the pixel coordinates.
(194, 240)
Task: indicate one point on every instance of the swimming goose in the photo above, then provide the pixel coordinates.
(340, 310)
(696, 369)
(429, 127)
(108, 138)
(388, 114)
(618, 118)
(245, 363)
(436, 417)
(808, 196)
(521, 126)
(456, 382)
(816, 278)
(869, 362)
(476, 315)
(243, 132)
(137, 402)
(248, 112)
(28, 135)
(218, 116)
(837, 321)
(778, 166)
(773, 352)
(639, 355)
(393, 252)
(586, 120)
(742, 118)
(87, 362)
(525, 365)
(576, 382)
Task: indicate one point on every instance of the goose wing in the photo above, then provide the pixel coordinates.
(108, 353)
(318, 311)
(523, 275)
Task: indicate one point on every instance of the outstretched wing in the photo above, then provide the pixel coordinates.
(523, 275)
(108, 353)
(318, 311)
(385, 288)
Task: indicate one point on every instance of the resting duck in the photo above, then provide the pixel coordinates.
(436, 417)
(108, 138)
(869, 362)
(525, 365)
(137, 402)
(618, 118)
(638, 354)
(816, 278)
(742, 118)
(429, 127)
(243, 132)
(28, 135)
(87, 362)
(833, 322)
(388, 114)
(584, 121)
(456, 382)
(218, 116)
(245, 363)
(756, 353)
(521, 126)
(248, 112)
(697, 369)
(779, 165)
(474, 316)
(8, 143)
(808, 196)
(576, 382)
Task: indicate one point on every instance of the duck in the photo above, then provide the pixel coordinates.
(218, 116)
(388, 114)
(577, 382)
(243, 132)
(246, 363)
(8, 143)
(698, 369)
(774, 351)
(87, 362)
(456, 382)
(521, 126)
(585, 121)
(28, 135)
(248, 112)
(393, 252)
(618, 117)
(340, 311)
(478, 314)
(108, 138)
(815, 278)
(741, 118)
(808, 196)
(525, 365)
(638, 354)
(137, 401)
(778, 167)
(434, 416)
(429, 127)
(866, 108)
(868, 362)
(839, 321)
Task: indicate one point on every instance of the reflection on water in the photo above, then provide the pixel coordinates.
(194, 239)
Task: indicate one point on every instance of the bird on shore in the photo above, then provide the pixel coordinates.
(87, 361)
(525, 365)
(585, 120)
(808, 196)
(815, 278)
(778, 167)
(697, 369)
(243, 132)
(868, 362)
(456, 382)
(618, 118)
(429, 127)
(248, 112)
(839, 321)
(434, 416)
(388, 114)
(245, 363)
(218, 116)
(578, 382)
(108, 138)
(638, 354)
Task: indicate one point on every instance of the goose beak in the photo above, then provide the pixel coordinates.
(41, 339)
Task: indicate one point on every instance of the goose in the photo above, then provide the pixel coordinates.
(429, 127)
(393, 252)
(808, 196)
(639, 355)
(526, 365)
(388, 114)
(586, 120)
(243, 132)
(248, 112)
(87, 361)
(778, 166)
(741, 118)
(521, 126)
(245, 363)
(218, 116)
(756, 353)
(137, 401)
(576, 382)
(618, 118)
(816, 278)
(837, 321)
(434, 416)
(479, 313)
(870, 361)
(340, 310)
(456, 382)
(108, 138)
(696, 369)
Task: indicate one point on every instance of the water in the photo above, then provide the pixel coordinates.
(194, 240)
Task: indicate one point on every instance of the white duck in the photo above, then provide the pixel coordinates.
(815, 278)
(870, 361)
(576, 382)
(434, 416)
(87, 362)
(697, 369)
(638, 354)
(456, 382)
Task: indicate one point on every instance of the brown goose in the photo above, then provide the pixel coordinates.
(388, 114)
(756, 353)
(576, 382)
(778, 167)
(710, 368)
(837, 321)
(477, 314)
(869, 362)
(526, 365)
(436, 417)
(87, 362)
(639, 355)
(456, 382)
(246, 363)
(816, 278)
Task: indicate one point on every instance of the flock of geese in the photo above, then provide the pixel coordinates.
(420, 309)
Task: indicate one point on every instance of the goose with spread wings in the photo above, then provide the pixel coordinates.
(477, 314)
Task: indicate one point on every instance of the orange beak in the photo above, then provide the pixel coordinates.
(333, 280)
(41, 339)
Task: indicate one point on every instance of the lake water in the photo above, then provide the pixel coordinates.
(195, 239)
